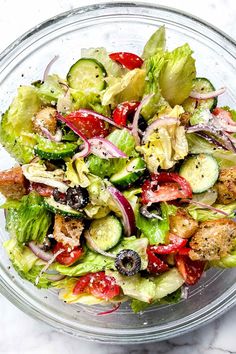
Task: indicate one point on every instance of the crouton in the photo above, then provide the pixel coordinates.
(13, 183)
(185, 118)
(182, 224)
(226, 186)
(67, 230)
(45, 118)
(213, 240)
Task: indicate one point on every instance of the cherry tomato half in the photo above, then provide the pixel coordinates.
(155, 264)
(68, 256)
(88, 124)
(97, 284)
(175, 245)
(128, 60)
(123, 110)
(190, 270)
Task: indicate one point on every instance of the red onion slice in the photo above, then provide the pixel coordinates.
(47, 265)
(134, 130)
(95, 246)
(86, 148)
(99, 116)
(160, 122)
(207, 95)
(45, 256)
(48, 67)
(104, 149)
(211, 140)
(57, 137)
(126, 210)
(83, 153)
(220, 124)
(55, 277)
(205, 206)
(115, 308)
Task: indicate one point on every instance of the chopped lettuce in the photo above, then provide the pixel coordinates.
(26, 263)
(16, 124)
(89, 100)
(167, 283)
(102, 167)
(225, 262)
(51, 89)
(136, 287)
(177, 75)
(76, 173)
(129, 87)
(156, 230)
(201, 214)
(155, 43)
(30, 221)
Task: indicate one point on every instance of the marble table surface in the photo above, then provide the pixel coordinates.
(20, 334)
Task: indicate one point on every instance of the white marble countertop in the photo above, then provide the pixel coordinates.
(20, 334)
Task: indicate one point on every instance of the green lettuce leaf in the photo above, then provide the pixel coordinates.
(30, 221)
(225, 262)
(16, 124)
(51, 89)
(177, 75)
(76, 173)
(102, 167)
(206, 214)
(89, 100)
(156, 230)
(155, 43)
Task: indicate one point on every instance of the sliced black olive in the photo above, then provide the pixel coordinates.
(59, 197)
(154, 214)
(128, 262)
(77, 197)
(142, 124)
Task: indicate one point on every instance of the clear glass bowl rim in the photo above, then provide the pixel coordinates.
(203, 316)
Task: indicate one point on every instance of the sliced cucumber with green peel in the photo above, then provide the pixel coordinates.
(130, 173)
(51, 150)
(87, 73)
(201, 171)
(65, 210)
(201, 85)
(104, 233)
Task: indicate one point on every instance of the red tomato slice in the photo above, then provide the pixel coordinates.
(41, 189)
(155, 264)
(165, 186)
(69, 256)
(88, 124)
(97, 284)
(128, 60)
(224, 115)
(176, 243)
(122, 111)
(190, 270)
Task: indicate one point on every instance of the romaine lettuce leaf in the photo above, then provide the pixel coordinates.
(51, 89)
(177, 75)
(89, 100)
(155, 43)
(156, 230)
(16, 124)
(225, 262)
(30, 220)
(76, 173)
(200, 214)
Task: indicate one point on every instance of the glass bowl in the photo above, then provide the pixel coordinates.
(125, 27)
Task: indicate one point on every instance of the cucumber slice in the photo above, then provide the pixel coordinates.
(62, 209)
(201, 85)
(201, 171)
(51, 150)
(105, 232)
(130, 173)
(86, 74)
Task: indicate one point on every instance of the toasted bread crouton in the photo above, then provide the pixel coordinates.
(45, 118)
(182, 224)
(226, 186)
(185, 118)
(68, 231)
(12, 183)
(213, 240)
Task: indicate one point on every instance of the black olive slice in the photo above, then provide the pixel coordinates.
(128, 262)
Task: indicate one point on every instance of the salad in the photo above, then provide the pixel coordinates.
(126, 178)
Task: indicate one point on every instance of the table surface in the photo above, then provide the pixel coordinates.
(21, 334)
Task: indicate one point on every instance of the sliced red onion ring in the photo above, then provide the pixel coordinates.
(126, 210)
(47, 265)
(96, 248)
(100, 116)
(218, 123)
(144, 211)
(86, 148)
(160, 122)
(57, 137)
(55, 277)
(211, 140)
(205, 206)
(83, 153)
(45, 256)
(48, 67)
(104, 149)
(115, 308)
(207, 95)
(134, 130)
